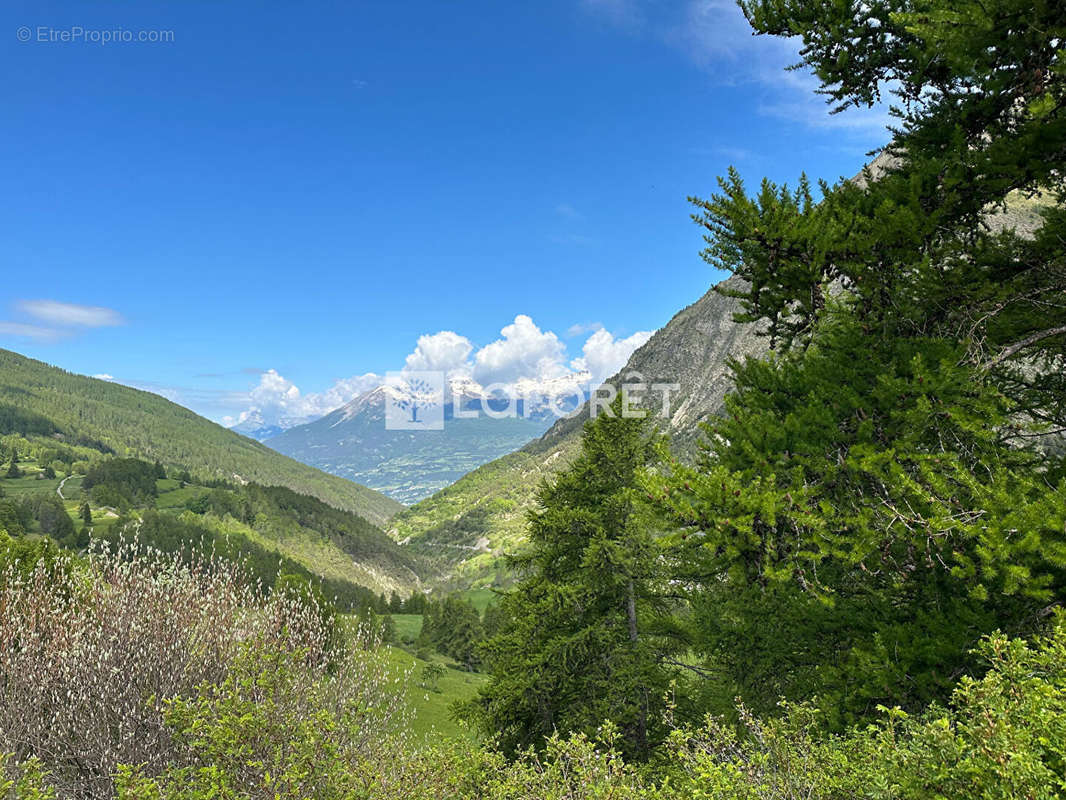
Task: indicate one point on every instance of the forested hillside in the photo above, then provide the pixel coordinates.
(78, 496)
(78, 409)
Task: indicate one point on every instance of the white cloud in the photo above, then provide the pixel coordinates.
(103, 376)
(524, 358)
(715, 35)
(341, 392)
(603, 355)
(713, 31)
(56, 313)
(276, 399)
(525, 351)
(447, 351)
(24, 331)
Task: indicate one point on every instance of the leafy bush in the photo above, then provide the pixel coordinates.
(23, 781)
(277, 726)
(91, 652)
(1002, 736)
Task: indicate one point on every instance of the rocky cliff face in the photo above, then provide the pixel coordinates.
(692, 352)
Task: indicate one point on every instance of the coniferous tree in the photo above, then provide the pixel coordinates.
(579, 644)
(452, 627)
(13, 470)
(86, 514)
(872, 505)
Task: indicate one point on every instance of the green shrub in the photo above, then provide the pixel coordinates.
(1002, 736)
(23, 780)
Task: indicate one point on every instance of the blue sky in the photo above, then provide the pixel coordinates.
(309, 188)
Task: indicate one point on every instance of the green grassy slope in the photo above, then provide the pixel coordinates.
(468, 528)
(145, 425)
(432, 705)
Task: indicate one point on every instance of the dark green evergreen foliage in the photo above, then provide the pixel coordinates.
(10, 518)
(494, 620)
(452, 626)
(48, 472)
(86, 514)
(375, 623)
(130, 483)
(869, 508)
(28, 423)
(581, 644)
(980, 88)
(353, 534)
(48, 511)
(13, 470)
(415, 604)
(121, 482)
(53, 518)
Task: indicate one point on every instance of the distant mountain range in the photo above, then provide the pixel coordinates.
(256, 427)
(409, 465)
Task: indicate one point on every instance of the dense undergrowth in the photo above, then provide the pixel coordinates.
(136, 675)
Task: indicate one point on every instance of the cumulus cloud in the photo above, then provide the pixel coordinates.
(524, 358)
(103, 376)
(447, 351)
(71, 315)
(603, 355)
(276, 400)
(524, 351)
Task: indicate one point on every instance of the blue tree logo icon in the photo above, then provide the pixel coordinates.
(414, 401)
(420, 395)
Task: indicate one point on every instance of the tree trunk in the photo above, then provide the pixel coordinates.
(642, 716)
